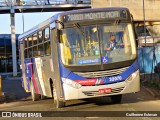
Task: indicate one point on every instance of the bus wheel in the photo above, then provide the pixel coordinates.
(116, 98)
(60, 104)
(34, 95)
(43, 97)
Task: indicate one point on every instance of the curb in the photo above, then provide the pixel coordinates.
(153, 92)
(16, 78)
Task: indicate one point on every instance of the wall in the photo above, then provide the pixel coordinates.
(135, 6)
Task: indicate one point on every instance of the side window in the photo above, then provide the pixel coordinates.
(38, 44)
(40, 50)
(47, 33)
(35, 47)
(35, 51)
(26, 53)
(47, 45)
(25, 47)
(35, 39)
(30, 52)
(26, 42)
(30, 41)
(40, 38)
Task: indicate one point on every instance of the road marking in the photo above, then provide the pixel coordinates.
(146, 118)
(131, 109)
(92, 117)
(140, 98)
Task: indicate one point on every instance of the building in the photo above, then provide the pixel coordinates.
(6, 64)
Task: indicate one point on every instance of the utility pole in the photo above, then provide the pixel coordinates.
(13, 40)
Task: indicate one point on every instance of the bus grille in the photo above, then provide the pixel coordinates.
(95, 93)
(100, 74)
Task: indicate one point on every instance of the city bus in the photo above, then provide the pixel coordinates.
(68, 57)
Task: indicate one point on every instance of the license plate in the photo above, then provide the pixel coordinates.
(105, 90)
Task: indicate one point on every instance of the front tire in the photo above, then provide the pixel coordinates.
(43, 97)
(34, 96)
(60, 104)
(116, 98)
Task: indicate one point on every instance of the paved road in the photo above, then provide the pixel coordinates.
(141, 101)
(13, 87)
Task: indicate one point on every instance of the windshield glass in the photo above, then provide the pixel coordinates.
(96, 44)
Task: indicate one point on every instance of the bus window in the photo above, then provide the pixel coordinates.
(30, 41)
(47, 48)
(116, 42)
(26, 42)
(35, 38)
(30, 52)
(26, 53)
(47, 35)
(40, 37)
(40, 50)
(80, 46)
(35, 51)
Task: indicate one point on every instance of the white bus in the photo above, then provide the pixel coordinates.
(68, 56)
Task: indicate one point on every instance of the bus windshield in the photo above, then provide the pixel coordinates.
(97, 44)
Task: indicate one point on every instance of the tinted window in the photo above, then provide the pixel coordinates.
(40, 37)
(47, 47)
(30, 41)
(47, 35)
(35, 39)
(40, 50)
(26, 42)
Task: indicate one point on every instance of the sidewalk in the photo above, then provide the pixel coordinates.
(12, 90)
(9, 75)
(151, 82)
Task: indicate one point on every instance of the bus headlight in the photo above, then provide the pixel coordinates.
(71, 83)
(132, 76)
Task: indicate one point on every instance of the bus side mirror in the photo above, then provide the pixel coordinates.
(59, 24)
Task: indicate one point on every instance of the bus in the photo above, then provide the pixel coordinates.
(66, 57)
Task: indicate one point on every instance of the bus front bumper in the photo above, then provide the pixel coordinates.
(127, 86)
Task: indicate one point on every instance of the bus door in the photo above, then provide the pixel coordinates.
(28, 72)
(42, 74)
(45, 74)
(37, 77)
(34, 75)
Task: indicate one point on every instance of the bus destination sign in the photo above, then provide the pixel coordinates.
(95, 16)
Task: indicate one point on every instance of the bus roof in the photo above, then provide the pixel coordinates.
(55, 17)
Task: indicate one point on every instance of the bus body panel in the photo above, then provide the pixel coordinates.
(47, 72)
(35, 72)
(126, 82)
(104, 80)
(93, 91)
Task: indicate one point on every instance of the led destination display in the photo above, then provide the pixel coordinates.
(95, 16)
